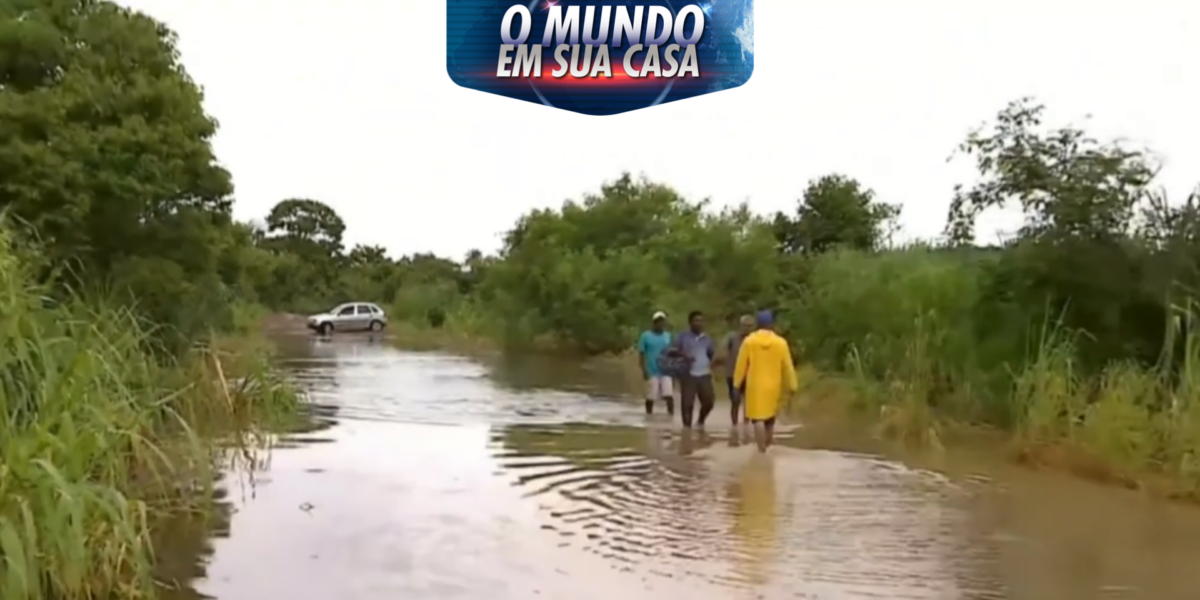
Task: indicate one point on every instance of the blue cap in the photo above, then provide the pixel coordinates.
(764, 318)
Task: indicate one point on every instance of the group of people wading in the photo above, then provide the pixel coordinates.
(762, 371)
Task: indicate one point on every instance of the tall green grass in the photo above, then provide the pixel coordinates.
(1130, 423)
(917, 346)
(98, 437)
(874, 307)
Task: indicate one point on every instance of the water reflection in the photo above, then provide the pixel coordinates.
(753, 498)
(544, 372)
(185, 545)
(664, 503)
(1057, 537)
(443, 477)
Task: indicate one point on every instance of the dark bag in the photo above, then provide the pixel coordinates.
(672, 366)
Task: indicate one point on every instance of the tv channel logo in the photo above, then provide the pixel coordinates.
(597, 57)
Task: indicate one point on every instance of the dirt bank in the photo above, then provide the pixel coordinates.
(284, 322)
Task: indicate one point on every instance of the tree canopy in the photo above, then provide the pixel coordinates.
(107, 162)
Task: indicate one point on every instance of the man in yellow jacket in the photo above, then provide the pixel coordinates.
(764, 372)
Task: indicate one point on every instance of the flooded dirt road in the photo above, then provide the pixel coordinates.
(437, 477)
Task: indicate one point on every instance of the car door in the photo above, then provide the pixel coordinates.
(377, 313)
(362, 317)
(343, 317)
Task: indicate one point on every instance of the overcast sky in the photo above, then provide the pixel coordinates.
(324, 100)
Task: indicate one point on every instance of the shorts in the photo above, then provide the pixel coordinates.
(659, 387)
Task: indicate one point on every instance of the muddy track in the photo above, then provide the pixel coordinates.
(284, 322)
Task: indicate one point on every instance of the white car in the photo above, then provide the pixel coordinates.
(352, 316)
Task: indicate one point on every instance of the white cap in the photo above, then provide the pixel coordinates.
(658, 315)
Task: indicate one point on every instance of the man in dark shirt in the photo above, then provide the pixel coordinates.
(699, 352)
(733, 342)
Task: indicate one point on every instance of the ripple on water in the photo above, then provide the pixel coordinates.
(378, 384)
(679, 506)
(399, 508)
(649, 500)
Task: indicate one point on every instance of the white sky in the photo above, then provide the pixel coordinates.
(349, 102)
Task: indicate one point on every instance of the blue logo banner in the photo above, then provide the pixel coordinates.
(598, 57)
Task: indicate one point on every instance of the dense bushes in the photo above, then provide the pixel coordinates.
(1077, 331)
(147, 224)
(1037, 334)
(1101, 257)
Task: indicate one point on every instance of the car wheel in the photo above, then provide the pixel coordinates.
(326, 328)
(376, 325)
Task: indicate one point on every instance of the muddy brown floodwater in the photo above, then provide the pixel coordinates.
(437, 477)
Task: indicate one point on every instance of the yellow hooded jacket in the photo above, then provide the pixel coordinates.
(764, 366)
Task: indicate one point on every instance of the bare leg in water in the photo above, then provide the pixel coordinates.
(764, 433)
(659, 388)
(735, 403)
(670, 406)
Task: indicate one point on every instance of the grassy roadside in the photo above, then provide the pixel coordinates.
(99, 437)
(1129, 426)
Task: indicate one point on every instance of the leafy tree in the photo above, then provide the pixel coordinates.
(367, 256)
(103, 141)
(836, 211)
(1067, 183)
(306, 227)
(306, 236)
(105, 151)
(588, 275)
(1074, 256)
